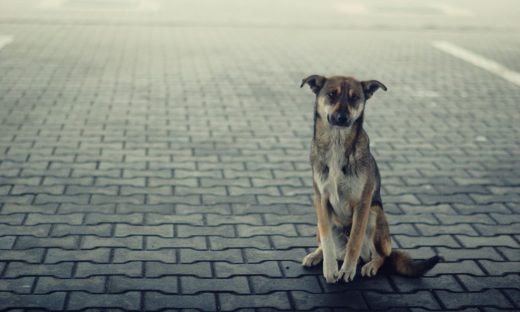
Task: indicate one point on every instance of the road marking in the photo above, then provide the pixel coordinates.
(451, 10)
(479, 61)
(353, 8)
(51, 4)
(5, 40)
(148, 5)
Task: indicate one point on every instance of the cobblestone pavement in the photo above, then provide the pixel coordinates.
(154, 155)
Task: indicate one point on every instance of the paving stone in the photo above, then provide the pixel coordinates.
(283, 242)
(270, 268)
(156, 219)
(199, 269)
(458, 300)
(402, 300)
(445, 282)
(451, 254)
(219, 243)
(7, 242)
(120, 284)
(284, 229)
(513, 295)
(215, 219)
(67, 229)
(446, 229)
(380, 282)
(221, 230)
(19, 285)
(295, 269)
(480, 283)
(122, 255)
(229, 255)
(416, 241)
(185, 242)
(164, 230)
(133, 242)
(351, 300)
(54, 301)
(126, 301)
(47, 284)
(131, 269)
(478, 241)
(237, 284)
(12, 219)
(465, 266)
(263, 285)
(278, 300)
(255, 255)
(96, 218)
(99, 255)
(18, 269)
(156, 301)
(37, 230)
(512, 254)
(498, 268)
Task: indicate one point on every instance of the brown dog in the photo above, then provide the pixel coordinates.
(351, 221)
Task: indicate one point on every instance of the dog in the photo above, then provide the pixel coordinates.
(346, 180)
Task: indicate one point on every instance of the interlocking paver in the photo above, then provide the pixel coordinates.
(82, 300)
(459, 300)
(157, 301)
(18, 269)
(154, 156)
(47, 284)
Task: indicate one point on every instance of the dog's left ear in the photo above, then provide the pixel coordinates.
(316, 82)
(371, 86)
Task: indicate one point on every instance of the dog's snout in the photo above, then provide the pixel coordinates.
(342, 118)
(339, 119)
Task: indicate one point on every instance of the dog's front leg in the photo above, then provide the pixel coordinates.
(357, 236)
(330, 265)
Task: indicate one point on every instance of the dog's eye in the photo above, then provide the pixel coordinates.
(331, 95)
(354, 97)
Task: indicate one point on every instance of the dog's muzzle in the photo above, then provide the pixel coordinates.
(339, 119)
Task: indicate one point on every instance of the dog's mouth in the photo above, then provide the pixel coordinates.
(344, 123)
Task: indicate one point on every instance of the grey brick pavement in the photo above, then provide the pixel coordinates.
(160, 165)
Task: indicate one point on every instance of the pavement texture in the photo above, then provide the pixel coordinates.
(154, 154)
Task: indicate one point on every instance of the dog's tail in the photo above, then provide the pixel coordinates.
(401, 263)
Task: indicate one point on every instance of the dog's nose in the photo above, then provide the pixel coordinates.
(342, 118)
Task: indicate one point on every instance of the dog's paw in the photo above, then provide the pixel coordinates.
(330, 271)
(347, 272)
(369, 269)
(312, 259)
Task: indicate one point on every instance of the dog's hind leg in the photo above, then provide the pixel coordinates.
(313, 258)
(379, 242)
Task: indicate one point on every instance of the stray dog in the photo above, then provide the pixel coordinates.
(351, 221)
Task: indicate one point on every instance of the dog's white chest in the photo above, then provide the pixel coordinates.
(343, 189)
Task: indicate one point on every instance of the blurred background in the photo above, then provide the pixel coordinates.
(137, 135)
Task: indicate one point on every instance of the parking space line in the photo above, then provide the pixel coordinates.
(479, 61)
(5, 40)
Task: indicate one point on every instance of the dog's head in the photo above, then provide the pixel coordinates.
(341, 99)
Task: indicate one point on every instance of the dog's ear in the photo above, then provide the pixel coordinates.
(316, 82)
(371, 86)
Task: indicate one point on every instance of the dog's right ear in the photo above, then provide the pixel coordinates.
(316, 82)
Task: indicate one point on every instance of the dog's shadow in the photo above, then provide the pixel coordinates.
(381, 282)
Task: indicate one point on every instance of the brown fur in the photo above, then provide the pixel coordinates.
(347, 186)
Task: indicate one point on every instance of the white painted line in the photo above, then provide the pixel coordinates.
(451, 10)
(479, 61)
(5, 40)
(51, 4)
(353, 8)
(148, 5)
